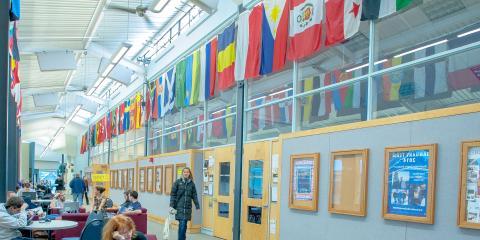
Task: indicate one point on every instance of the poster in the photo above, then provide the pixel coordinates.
(303, 180)
(130, 178)
(141, 178)
(473, 185)
(158, 178)
(408, 182)
(150, 179)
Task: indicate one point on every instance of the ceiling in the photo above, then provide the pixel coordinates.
(92, 31)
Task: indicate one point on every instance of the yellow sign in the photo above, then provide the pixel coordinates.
(100, 177)
(179, 172)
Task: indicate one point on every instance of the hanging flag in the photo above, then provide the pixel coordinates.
(180, 78)
(218, 126)
(342, 19)
(200, 128)
(138, 110)
(392, 87)
(249, 43)
(375, 9)
(155, 103)
(126, 115)
(82, 145)
(133, 112)
(336, 93)
(274, 35)
(14, 10)
(226, 58)
(168, 91)
(307, 101)
(203, 71)
(229, 123)
(121, 118)
(114, 122)
(321, 102)
(93, 138)
(188, 79)
(14, 58)
(108, 121)
(148, 105)
(431, 78)
(195, 78)
(210, 68)
(305, 27)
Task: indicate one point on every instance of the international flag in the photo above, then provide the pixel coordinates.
(138, 110)
(188, 79)
(226, 58)
(14, 10)
(210, 68)
(180, 78)
(93, 137)
(218, 129)
(108, 126)
(202, 71)
(274, 35)
(229, 122)
(155, 100)
(305, 27)
(126, 115)
(195, 78)
(431, 78)
(249, 44)
(14, 59)
(83, 145)
(307, 101)
(321, 102)
(375, 9)
(148, 104)
(121, 118)
(133, 110)
(168, 91)
(114, 122)
(342, 19)
(200, 128)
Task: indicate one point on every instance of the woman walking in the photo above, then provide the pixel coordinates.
(182, 194)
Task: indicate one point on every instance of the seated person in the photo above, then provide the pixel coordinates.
(12, 217)
(25, 188)
(121, 228)
(58, 200)
(100, 202)
(126, 204)
(135, 206)
(33, 209)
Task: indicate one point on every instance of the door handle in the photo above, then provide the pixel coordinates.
(265, 206)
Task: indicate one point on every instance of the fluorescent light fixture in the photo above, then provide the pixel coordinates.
(255, 99)
(158, 5)
(124, 47)
(381, 61)
(60, 130)
(74, 113)
(219, 111)
(108, 69)
(468, 33)
(282, 91)
(365, 65)
(421, 48)
(90, 92)
(84, 113)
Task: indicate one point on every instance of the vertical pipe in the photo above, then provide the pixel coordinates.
(181, 147)
(294, 101)
(205, 118)
(371, 60)
(162, 136)
(237, 197)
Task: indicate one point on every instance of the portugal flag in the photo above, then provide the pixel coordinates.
(305, 27)
(342, 19)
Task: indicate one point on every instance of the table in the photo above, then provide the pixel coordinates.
(42, 201)
(51, 226)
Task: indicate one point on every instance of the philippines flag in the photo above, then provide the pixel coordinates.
(305, 27)
(274, 35)
(342, 19)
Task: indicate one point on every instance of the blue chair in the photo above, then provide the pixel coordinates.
(92, 230)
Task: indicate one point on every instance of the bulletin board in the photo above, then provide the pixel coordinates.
(141, 179)
(150, 177)
(469, 194)
(348, 182)
(169, 175)
(158, 179)
(303, 183)
(125, 179)
(131, 178)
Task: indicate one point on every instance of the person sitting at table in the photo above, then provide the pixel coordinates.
(126, 204)
(25, 188)
(12, 217)
(33, 209)
(121, 228)
(100, 202)
(135, 206)
(58, 200)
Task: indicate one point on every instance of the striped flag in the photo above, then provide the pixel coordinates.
(431, 78)
(274, 35)
(210, 68)
(375, 9)
(226, 58)
(180, 78)
(342, 19)
(195, 78)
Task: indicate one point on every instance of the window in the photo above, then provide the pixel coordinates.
(223, 209)
(255, 179)
(224, 186)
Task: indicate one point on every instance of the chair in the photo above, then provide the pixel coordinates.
(91, 231)
(140, 220)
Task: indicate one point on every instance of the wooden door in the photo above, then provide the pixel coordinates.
(224, 178)
(207, 201)
(255, 195)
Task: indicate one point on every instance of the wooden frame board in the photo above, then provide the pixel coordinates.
(303, 182)
(150, 177)
(469, 190)
(158, 187)
(405, 199)
(141, 179)
(131, 179)
(350, 167)
(169, 178)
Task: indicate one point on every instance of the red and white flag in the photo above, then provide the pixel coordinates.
(342, 19)
(305, 32)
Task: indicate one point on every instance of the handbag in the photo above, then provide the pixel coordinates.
(166, 227)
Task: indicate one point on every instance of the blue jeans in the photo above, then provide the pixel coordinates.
(78, 197)
(182, 229)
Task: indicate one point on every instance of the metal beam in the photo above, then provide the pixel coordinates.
(4, 87)
(237, 190)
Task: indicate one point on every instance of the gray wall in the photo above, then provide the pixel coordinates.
(158, 204)
(448, 132)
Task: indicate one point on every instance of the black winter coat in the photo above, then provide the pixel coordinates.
(181, 197)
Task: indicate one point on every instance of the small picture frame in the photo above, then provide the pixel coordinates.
(348, 182)
(169, 178)
(125, 179)
(150, 177)
(469, 191)
(141, 179)
(120, 179)
(303, 183)
(131, 179)
(409, 183)
(158, 179)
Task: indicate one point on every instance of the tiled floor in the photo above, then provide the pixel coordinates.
(157, 229)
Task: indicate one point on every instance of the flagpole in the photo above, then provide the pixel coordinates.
(371, 60)
(237, 190)
(4, 71)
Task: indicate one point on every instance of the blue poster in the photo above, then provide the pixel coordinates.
(408, 183)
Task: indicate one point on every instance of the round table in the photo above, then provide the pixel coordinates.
(51, 226)
(42, 201)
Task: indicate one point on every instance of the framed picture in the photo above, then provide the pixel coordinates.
(303, 189)
(119, 179)
(112, 179)
(131, 179)
(125, 179)
(158, 179)
(409, 183)
(469, 198)
(168, 179)
(179, 170)
(141, 179)
(150, 179)
(348, 182)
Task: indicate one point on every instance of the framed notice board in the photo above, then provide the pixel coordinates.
(469, 194)
(303, 189)
(168, 178)
(150, 178)
(409, 183)
(158, 179)
(141, 179)
(348, 182)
